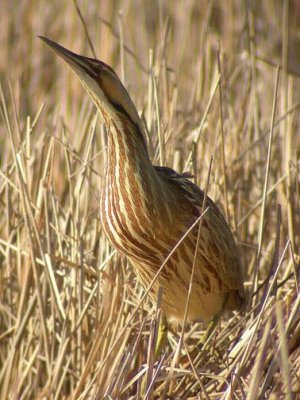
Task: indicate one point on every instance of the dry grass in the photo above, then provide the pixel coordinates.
(74, 321)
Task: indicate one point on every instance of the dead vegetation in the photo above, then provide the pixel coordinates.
(209, 78)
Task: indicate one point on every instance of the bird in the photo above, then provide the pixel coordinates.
(149, 213)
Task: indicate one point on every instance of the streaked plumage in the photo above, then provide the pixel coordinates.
(146, 210)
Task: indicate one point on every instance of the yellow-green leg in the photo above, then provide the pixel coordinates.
(211, 326)
(160, 342)
(205, 335)
(161, 336)
(201, 342)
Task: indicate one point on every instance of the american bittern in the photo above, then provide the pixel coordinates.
(146, 210)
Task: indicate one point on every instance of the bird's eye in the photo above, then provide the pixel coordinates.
(98, 69)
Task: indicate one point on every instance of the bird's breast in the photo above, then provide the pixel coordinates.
(129, 223)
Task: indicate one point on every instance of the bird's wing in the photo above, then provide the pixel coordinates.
(220, 241)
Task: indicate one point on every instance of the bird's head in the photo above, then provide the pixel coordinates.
(101, 83)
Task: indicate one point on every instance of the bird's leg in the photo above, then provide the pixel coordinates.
(201, 342)
(205, 335)
(161, 335)
(160, 342)
(211, 325)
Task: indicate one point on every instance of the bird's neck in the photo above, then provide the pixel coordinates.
(129, 169)
(127, 149)
(134, 202)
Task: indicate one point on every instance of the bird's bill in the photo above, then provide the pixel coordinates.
(78, 63)
(108, 91)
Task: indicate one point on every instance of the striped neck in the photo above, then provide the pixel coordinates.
(127, 152)
(130, 176)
